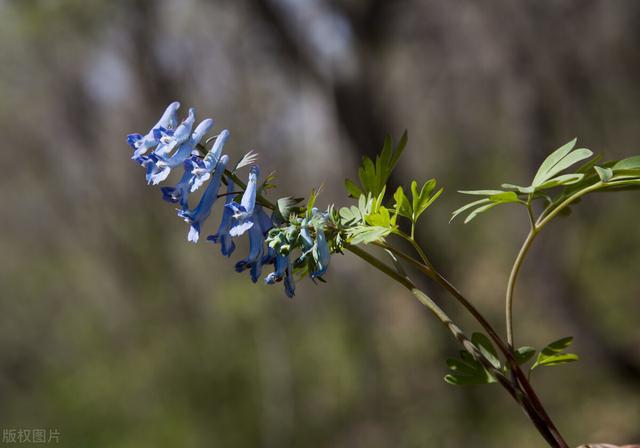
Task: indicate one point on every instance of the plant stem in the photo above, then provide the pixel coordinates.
(536, 227)
(512, 282)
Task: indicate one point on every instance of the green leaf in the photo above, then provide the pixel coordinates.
(486, 348)
(353, 190)
(565, 179)
(350, 215)
(504, 197)
(554, 360)
(312, 201)
(364, 204)
(552, 160)
(415, 195)
(553, 354)
(378, 202)
(480, 210)
(605, 174)
(524, 354)
(380, 218)
(368, 176)
(374, 175)
(559, 345)
(571, 159)
(285, 206)
(403, 206)
(423, 199)
(481, 192)
(519, 188)
(468, 206)
(367, 234)
(466, 371)
(459, 366)
(630, 163)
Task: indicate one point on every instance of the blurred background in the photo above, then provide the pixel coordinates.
(118, 333)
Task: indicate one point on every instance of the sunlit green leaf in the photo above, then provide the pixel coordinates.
(559, 160)
(353, 190)
(469, 206)
(630, 163)
(481, 192)
(553, 354)
(373, 176)
(519, 188)
(367, 234)
(480, 210)
(564, 179)
(554, 360)
(403, 206)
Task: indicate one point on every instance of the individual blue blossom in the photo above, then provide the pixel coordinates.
(257, 234)
(168, 139)
(143, 143)
(198, 215)
(180, 193)
(254, 259)
(227, 246)
(202, 172)
(243, 218)
(161, 167)
(282, 271)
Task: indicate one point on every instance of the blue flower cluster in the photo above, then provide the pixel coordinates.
(170, 144)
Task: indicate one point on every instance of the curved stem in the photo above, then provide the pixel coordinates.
(415, 245)
(536, 226)
(512, 282)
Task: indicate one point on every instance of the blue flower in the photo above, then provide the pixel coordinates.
(180, 193)
(253, 261)
(202, 172)
(282, 271)
(243, 212)
(161, 166)
(168, 139)
(198, 215)
(261, 223)
(142, 143)
(227, 246)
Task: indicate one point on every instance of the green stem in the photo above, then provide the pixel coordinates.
(512, 282)
(415, 245)
(536, 227)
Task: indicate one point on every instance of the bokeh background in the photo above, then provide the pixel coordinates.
(118, 333)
